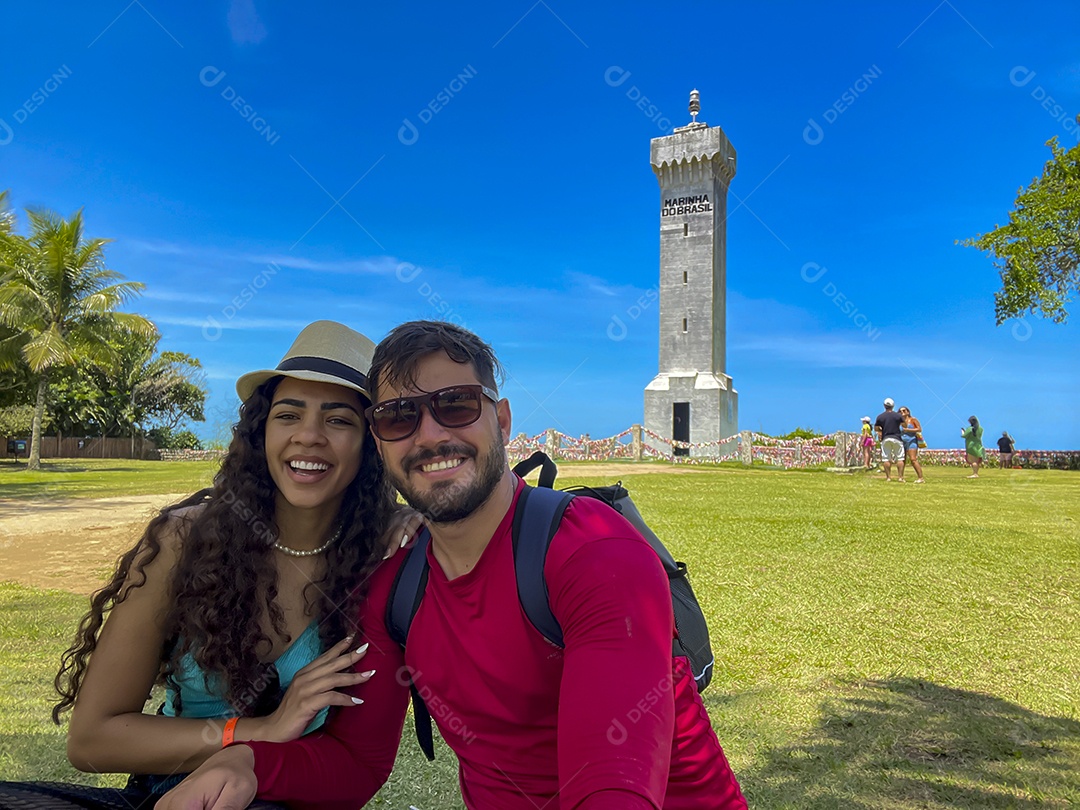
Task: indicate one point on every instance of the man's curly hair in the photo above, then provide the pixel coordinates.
(225, 582)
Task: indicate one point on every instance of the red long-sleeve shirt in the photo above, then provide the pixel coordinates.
(611, 721)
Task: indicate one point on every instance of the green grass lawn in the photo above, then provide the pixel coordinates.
(103, 478)
(878, 645)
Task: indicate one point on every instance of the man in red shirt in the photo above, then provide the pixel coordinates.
(609, 721)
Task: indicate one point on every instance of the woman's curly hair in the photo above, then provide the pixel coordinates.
(225, 581)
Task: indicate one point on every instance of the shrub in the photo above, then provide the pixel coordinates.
(168, 439)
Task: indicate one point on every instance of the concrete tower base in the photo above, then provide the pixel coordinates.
(707, 400)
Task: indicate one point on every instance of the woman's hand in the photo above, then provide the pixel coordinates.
(312, 690)
(405, 524)
(226, 781)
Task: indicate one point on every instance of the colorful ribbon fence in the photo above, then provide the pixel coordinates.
(837, 449)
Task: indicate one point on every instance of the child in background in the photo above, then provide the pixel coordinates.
(866, 442)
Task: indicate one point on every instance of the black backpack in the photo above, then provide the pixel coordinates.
(537, 516)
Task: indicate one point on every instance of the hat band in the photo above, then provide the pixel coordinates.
(324, 366)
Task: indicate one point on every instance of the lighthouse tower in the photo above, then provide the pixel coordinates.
(691, 399)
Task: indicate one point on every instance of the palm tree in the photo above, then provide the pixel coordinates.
(7, 216)
(60, 299)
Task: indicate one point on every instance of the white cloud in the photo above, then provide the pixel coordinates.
(157, 294)
(234, 324)
(245, 27)
(375, 265)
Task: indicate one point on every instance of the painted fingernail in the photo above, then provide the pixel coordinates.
(362, 648)
(404, 540)
(367, 674)
(386, 556)
(357, 701)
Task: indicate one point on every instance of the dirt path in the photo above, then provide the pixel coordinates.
(70, 544)
(73, 544)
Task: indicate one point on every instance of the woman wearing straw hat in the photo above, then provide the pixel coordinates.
(240, 599)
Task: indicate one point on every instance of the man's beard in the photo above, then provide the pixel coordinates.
(451, 502)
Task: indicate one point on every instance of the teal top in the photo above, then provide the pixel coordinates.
(197, 701)
(973, 441)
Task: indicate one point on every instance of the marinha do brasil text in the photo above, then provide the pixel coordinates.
(686, 205)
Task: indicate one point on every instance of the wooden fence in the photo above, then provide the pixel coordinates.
(92, 447)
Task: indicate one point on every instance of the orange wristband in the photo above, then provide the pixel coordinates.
(229, 732)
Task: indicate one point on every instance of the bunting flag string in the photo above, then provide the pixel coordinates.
(839, 449)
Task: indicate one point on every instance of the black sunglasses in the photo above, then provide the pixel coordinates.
(455, 407)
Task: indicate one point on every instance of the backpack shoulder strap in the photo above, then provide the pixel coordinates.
(406, 594)
(548, 470)
(536, 519)
(408, 590)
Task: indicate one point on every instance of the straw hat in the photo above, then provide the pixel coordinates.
(325, 351)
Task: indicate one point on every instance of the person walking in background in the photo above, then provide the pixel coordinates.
(1006, 447)
(910, 434)
(866, 442)
(887, 426)
(973, 445)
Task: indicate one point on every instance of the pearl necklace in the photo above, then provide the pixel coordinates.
(296, 552)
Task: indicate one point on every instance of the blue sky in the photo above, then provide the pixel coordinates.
(262, 165)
